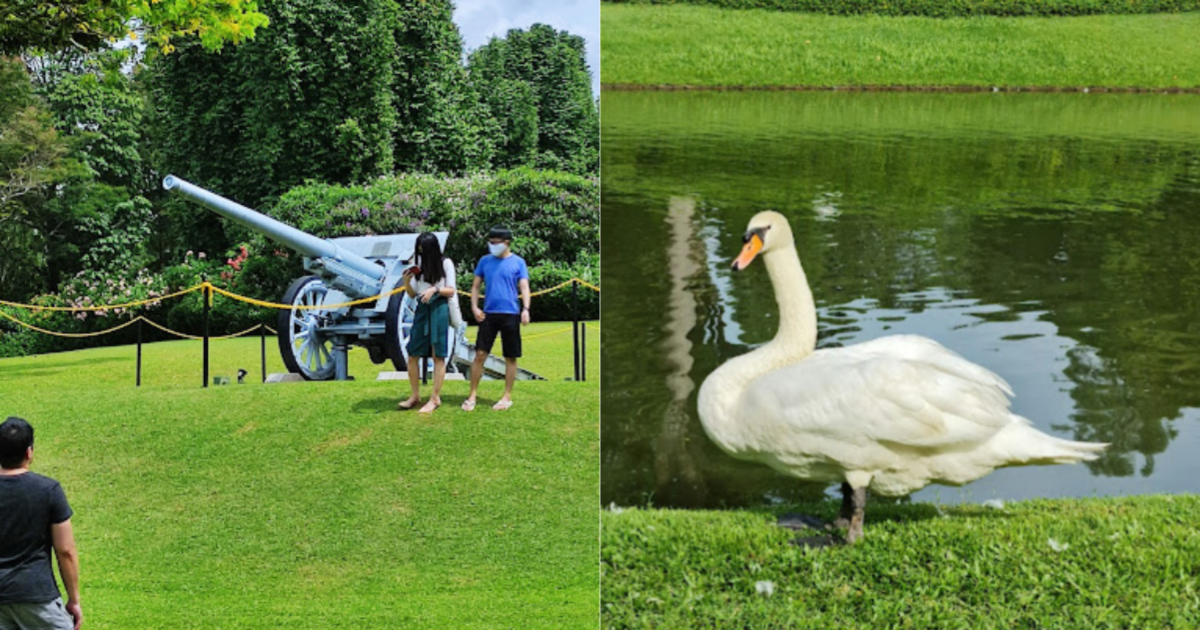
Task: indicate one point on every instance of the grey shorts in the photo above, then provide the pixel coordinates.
(42, 616)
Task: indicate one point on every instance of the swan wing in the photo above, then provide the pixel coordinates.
(903, 390)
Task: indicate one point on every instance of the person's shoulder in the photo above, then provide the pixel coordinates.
(518, 258)
(41, 482)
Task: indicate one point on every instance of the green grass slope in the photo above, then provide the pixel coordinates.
(316, 505)
(1121, 563)
(705, 46)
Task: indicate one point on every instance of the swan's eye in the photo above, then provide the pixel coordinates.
(761, 233)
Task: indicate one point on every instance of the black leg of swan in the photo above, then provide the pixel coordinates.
(847, 513)
(858, 502)
(850, 518)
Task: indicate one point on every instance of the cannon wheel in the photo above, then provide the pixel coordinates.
(398, 330)
(397, 325)
(303, 349)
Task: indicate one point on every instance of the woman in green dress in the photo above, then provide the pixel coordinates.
(431, 283)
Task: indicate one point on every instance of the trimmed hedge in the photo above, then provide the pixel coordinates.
(948, 8)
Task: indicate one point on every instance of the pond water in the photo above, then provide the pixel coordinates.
(1052, 238)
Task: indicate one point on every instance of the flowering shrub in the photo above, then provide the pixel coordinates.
(92, 288)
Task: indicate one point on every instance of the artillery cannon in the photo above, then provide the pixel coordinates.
(314, 340)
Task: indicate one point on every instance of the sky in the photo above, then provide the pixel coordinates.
(480, 20)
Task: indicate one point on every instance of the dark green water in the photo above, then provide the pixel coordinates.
(1054, 239)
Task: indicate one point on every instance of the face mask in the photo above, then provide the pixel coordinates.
(496, 249)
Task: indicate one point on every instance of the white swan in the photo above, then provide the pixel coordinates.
(892, 415)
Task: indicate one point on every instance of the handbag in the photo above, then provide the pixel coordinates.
(456, 318)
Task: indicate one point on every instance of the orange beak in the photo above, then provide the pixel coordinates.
(753, 246)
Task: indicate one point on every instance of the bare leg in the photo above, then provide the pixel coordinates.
(414, 381)
(439, 374)
(510, 377)
(476, 374)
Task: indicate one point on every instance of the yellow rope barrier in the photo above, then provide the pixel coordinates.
(547, 334)
(300, 307)
(71, 335)
(197, 338)
(210, 291)
(544, 291)
(255, 301)
(104, 307)
(126, 325)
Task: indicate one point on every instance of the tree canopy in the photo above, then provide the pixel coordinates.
(88, 25)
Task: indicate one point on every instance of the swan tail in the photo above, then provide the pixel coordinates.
(1023, 445)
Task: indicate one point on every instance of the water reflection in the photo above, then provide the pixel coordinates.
(1058, 254)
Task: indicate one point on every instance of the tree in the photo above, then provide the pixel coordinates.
(441, 125)
(552, 65)
(89, 25)
(309, 98)
(34, 158)
(96, 104)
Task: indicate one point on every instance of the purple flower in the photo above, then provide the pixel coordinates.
(366, 214)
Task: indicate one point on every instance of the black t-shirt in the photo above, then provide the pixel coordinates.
(29, 505)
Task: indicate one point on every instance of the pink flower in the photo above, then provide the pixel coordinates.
(201, 256)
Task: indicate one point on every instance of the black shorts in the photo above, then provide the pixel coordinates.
(509, 327)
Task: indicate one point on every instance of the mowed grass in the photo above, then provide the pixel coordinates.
(1129, 562)
(317, 505)
(705, 46)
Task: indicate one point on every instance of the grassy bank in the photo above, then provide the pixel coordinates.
(704, 46)
(316, 505)
(1121, 563)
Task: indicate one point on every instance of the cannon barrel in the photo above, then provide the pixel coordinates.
(303, 242)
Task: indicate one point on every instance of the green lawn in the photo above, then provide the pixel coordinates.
(317, 505)
(705, 46)
(1122, 563)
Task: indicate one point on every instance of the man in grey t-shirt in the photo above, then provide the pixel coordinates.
(34, 518)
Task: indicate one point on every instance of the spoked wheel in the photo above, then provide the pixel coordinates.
(398, 330)
(305, 350)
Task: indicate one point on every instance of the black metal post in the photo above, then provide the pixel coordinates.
(207, 305)
(583, 351)
(575, 323)
(139, 360)
(262, 348)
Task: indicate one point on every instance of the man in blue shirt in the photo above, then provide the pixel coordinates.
(505, 310)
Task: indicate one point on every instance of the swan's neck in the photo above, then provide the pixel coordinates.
(797, 334)
(795, 340)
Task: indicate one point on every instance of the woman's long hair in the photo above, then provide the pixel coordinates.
(429, 258)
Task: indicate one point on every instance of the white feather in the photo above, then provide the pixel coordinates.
(895, 413)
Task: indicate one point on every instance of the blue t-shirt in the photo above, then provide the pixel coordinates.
(500, 277)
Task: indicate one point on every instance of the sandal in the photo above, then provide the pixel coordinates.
(502, 405)
(468, 405)
(430, 407)
(408, 404)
